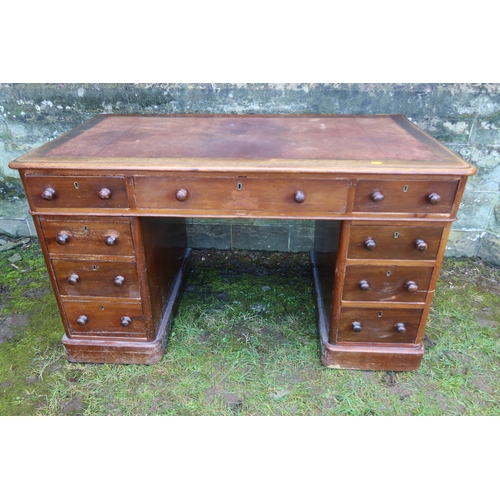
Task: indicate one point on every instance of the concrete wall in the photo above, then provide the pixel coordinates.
(465, 117)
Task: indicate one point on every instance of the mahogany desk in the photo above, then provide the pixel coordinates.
(109, 201)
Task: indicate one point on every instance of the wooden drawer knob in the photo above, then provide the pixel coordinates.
(400, 327)
(356, 326)
(82, 320)
(182, 195)
(377, 196)
(433, 198)
(125, 321)
(421, 245)
(73, 279)
(411, 286)
(105, 194)
(119, 280)
(49, 194)
(370, 244)
(364, 285)
(62, 238)
(299, 197)
(111, 240)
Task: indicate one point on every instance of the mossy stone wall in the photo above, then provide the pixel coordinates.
(465, 117)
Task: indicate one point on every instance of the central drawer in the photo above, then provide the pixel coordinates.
(272, 195)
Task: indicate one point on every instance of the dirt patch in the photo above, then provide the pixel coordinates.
(12, 324)
(231, 399)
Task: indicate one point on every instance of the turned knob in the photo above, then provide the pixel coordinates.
(111, 240)
(364, 285)
(433, 198)
(421, 245)
(119, 280)
(411, 286)
(49, 194)
(62, 238)
(82, 320)
(370, 244)
(125, 321)
(181, 195)
(400, 327)
(73, 279)
(377, 196)
(105, 194)
(299, 197)
(356, 326)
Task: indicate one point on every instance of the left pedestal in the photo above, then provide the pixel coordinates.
(118, 281)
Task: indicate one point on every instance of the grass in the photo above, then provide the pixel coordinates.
(245, 343)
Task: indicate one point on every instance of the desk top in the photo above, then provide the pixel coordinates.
(320, 143)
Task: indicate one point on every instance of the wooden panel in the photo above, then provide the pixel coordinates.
(88, 236)
(378, 325)
(395, 242)
(405, 196)
(104, 318)
(386, 283)
(271, 195)
(96, 278)
(76, 191)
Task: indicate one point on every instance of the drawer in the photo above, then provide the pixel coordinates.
(101, 279)
(46, 192)
(387, 283)
(279, 196)
(378, 325)
(405, 196)
(101, 318)
(97, 236)
(394, 242)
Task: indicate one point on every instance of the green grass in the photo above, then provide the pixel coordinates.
(245, 342)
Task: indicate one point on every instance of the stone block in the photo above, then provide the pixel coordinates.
(487, 162)
(447, 130)
(301, 237)
(15, 228)
(215, 235)
(494, 220)
(475, 210)
(487, 131)
(463, 243)
(267, 238)
(490, 249)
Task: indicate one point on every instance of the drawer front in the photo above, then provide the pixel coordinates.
(387, 283)
(394, 242)
(280, 196)
(103, 236)
(405, 197)
(101, 279)
(378, 325)
(101, 318)
(47, 192)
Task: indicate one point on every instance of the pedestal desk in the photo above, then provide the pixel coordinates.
(109, 201)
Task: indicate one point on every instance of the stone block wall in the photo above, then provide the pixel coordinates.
(465, 117)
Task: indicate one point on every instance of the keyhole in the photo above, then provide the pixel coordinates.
(396, 235)
(76, 185)
(94, 268)
(86, 229)
(239, 186)
(388, 273)
(380, 314)
(102, 308)
(405, 189)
